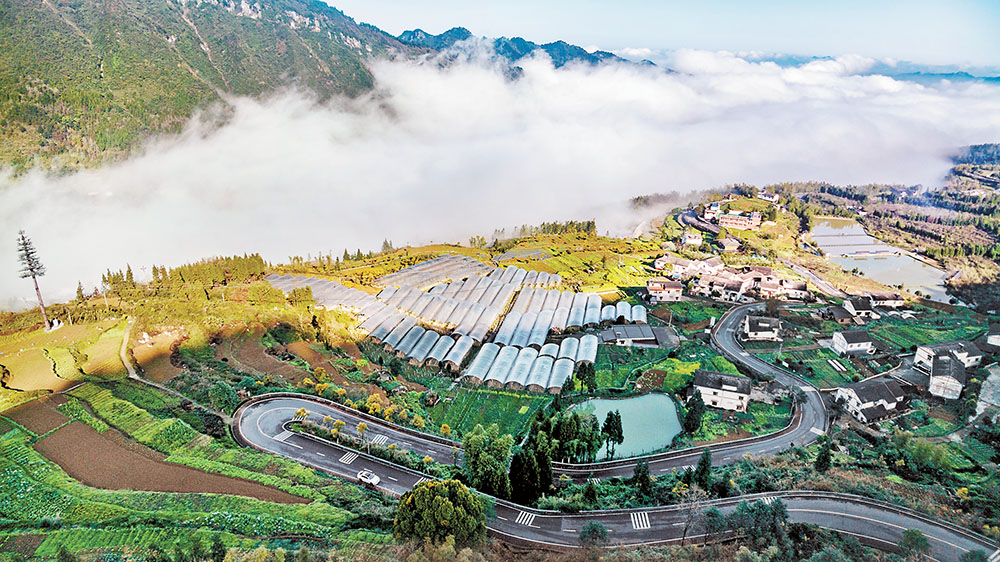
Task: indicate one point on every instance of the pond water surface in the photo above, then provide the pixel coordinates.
(649, 422)
(837, 237)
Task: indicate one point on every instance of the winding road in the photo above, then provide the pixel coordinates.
(262, 423)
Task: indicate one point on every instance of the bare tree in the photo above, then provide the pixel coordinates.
(692, 505)
(32, 267)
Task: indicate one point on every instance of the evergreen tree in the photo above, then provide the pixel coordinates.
(32, 267)
(525, 486)
(641, 479)
(695, 411)
(79, 292)
(703, 472)
(303, 555)
(129, 279)
(824, 458)
(612, 432)
(347, 256)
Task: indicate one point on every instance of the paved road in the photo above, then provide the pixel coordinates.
(689, 218)
(823, 285)
(262, 424)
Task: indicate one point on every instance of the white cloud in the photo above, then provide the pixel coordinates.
(440, 154)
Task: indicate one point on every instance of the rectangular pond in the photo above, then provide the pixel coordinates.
(649, 422)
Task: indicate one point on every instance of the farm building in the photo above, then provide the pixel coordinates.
(728, 245)
(723, 390)
(853, 342)
(736, 220)
(635, 335)
(993, 336)
(872, 400)
(840, 315)
(886, 300)
(691, 238)
(481, 363)
(768, 196)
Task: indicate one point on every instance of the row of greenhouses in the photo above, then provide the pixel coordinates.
(535, 370)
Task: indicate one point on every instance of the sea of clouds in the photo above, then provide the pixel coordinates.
(441, 152)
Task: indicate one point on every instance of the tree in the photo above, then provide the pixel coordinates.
(435, 510)
(487, 460)
(703, 472)
(587, 376)
(612, 432)
(303, 555)
(692, 507)
(32, 267)
(445, 429)
(65, 555)
(197, 549)
(362, 428)
(223, 397)
(695, 411)
(823, 459)
(771, 307)
(914, 544)
(974, 556)
(80, 297)
(641, 479)
(525, 484)
(218, 550)
(593, 534)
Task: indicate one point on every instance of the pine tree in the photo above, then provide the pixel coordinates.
(79, 292)
(129, 278)
(703, 472)
(32, 267)
(823, 460)
(695, 410)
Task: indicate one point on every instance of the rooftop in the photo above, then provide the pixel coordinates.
(717, 380)
(857, 336)
(873, 390)
(860, 304)
(948, 366)
(763, 323)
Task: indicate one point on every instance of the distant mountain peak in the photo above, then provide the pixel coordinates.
(512, 49)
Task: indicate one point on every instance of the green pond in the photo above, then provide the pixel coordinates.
(649, 422)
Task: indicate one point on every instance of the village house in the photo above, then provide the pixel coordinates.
(871, 400)
(965, 352)
(691, 238)
(859, 307)
(683, 268)
(797, 290)
(635, 335)
(886, 300)
(712, 211)
(661, 289)
(761, 328)
(728, 245)
(767, 196)
(993, 336)
(854, 342)
(840, 315)
(723, 390)
(947, 377)
(736, 220)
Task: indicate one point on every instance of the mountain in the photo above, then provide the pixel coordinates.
(513, 49)
(81, 81)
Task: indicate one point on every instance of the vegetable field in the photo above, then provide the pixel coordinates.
(815, 366)
(468, 407)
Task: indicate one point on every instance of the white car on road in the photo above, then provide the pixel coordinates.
(369, 478)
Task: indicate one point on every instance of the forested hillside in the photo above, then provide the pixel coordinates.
(81, 81)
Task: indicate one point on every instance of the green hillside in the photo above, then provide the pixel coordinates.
(81, 81)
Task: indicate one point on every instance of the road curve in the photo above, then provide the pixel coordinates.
(262, 423)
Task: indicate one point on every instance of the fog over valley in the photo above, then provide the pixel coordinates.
(441, 152)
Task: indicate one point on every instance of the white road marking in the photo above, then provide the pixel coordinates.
(391, 478)
(995, 556)
(525, 518)
(282, 436)
(348, 458)
(808, 389)
(816, 430)
(380, 439)
(640, 520)
(878, 521)
(768, 500)
(421, 481)
(320, 454)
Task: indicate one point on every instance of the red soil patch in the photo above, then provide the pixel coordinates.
(652, 378)
(39, 415)
(249, 353)
(88, 456)
(24, 545)
(153, 356)
(304, 350)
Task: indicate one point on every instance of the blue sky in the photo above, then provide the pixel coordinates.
(960, 32)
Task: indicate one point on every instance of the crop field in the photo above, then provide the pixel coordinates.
(689, 316)
(153, 357)
(814, 366)
(759, 419)
(103, 358)
(464, 408)
(615, 365)
(904, 335)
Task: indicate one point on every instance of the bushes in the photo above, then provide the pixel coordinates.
(74, 409)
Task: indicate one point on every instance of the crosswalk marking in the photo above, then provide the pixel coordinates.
(348, 458)
(808, 389)
(640, 520)
(995, 556)
(283, 435)
(816, 430)
(769, 500)
(525, 518)
(380, 439)
(421, 481)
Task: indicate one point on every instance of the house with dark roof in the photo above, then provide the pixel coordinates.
(993, 336)
(723, 390)
(840, 315)
(872, 400)
(947, 377)
(860, 307)
(964, 351)
(728, 244)
(761, 328)
(853, 342)
(886, 300)
(661, 289)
